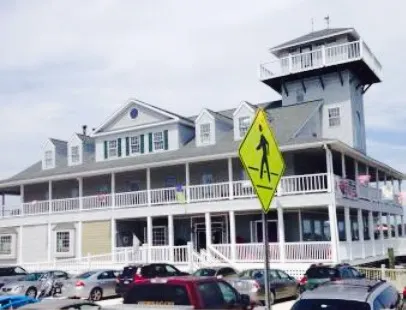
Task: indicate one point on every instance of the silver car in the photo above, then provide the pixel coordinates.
(30, 284)
(92, 285)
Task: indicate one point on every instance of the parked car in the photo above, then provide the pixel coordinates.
(30, 284)
(252, 283)
(351, 294)
(11, 273)
(318, 274)
(219, 272)
(63, 304)
(197, 292)
(134, 273)
(16, 301)
(92, 285)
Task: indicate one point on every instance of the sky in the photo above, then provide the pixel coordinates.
(68, 63)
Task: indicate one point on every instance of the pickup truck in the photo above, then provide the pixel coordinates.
(187, 292)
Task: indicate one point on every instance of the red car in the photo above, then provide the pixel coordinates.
(198, 292)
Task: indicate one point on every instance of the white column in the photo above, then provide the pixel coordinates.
(20, 245)
(356, 177)
(207, 218)
(22, 193)
(148, 177)
(49, 242)
(230, 178)
(233, 237)
(149, 236)
(361, 231)
(300, 226)
(389, 224)
(80, 181)
(3, 204)
(330, 172)
(332, 214)
(396, 227)
(113, 236)
(402, 219)
(50, 196)
(372, 231)
(171, 237)
(343, 169)
(348, 233)
(187, 179)
(381, 233)
(79, 240)
(281, 233)
(113, 190)
(377, 178)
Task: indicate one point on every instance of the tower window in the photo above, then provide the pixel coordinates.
(334, 118)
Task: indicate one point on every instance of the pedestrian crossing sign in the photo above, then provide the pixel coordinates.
(262, 160)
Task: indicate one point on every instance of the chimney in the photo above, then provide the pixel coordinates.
(84, 129)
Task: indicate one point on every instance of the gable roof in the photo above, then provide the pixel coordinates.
(284, 120)
(130, 102)
(220, 117)
(314, 36)
(59, 144)
(85, 138)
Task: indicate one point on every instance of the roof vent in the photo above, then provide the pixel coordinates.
(84, 127)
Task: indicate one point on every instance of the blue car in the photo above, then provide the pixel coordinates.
(15, 301)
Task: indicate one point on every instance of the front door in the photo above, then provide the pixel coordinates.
(200, 238)
(257, 232)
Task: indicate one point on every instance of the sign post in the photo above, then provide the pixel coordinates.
(262, 160)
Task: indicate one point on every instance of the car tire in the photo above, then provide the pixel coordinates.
(96, 294)
(271, 297)
(31, 292)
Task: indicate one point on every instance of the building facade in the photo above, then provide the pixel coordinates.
(151, 185)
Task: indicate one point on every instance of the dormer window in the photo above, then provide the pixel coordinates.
(112, 144)
(75, 154)
(205, 133)
(243, 125)
(158, 141)
(49, 160)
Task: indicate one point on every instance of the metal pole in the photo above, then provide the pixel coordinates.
(266, 251)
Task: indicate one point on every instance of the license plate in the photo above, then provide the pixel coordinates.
(126, 282)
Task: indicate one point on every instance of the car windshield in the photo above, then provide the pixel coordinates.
(33, 276)
(205, 272)
(86, 275)
(321, 273)
(330, 304)
(129, 271)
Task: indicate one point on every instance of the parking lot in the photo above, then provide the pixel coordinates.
(286, 305)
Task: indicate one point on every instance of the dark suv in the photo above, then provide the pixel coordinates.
(134, 273)
(351, 294)
(319, 274)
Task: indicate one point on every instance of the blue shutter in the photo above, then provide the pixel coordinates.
(106, 154)
(166, 146)
(150, 142)
(127, 146)
(119, 147)
(142, 144)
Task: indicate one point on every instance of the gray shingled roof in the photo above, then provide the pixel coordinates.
(285, 122)
(221, 117)
(59, 144)
(312, 36)
(85, 138)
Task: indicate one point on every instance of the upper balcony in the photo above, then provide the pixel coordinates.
(355, 56)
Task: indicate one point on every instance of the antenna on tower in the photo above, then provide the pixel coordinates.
(312, 24)
(327, 19)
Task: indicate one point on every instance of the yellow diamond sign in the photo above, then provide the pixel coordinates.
(262, 160)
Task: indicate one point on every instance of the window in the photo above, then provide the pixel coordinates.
(229, 294)
(63, 242)
(159, 235)
(158, 141)
(112, 148)
(106, 275)
(75, 154)
(6, 245)
(334, 118)
(205, 133)
(49, 159)
(135, 145)
(244, 125)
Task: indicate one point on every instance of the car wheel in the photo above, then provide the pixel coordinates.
(271, 297)
(31, 292)
(96, 294)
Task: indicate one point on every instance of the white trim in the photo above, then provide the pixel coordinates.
(71, 251)
(204, 111)
(282, 47)
(243, 103)
(131, 167)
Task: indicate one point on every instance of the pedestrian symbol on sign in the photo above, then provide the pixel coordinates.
(264, 145)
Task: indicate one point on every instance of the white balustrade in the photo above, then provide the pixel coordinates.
(65, 205)
(224, 249)
(207, 192)
(243, 189)
(101, 201)
(303, 184)
(180, 254)
(317, 58)
(308, 251)
(160, 253)
(164, 196)
(130, 199)
(36, 207)
(254, 252)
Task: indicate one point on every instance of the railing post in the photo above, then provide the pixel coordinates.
(190, 255)
(232, 235)
(230, 178)
(281, 234)
(171, 238)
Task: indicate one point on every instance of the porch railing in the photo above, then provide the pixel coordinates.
(323, 56)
